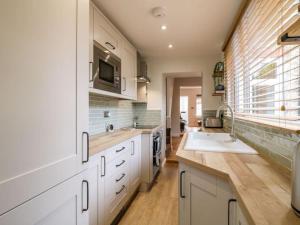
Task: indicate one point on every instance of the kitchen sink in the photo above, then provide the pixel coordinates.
(216, 142)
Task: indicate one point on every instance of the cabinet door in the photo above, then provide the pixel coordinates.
(135, 163)
(129, 70)
(105, 34)
(205, 197)
(93, 173)
(63, 204)
(43, 95)
(241, 219)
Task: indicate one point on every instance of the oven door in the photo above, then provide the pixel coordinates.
(106, 70)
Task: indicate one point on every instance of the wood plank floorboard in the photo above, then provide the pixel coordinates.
(159, 206)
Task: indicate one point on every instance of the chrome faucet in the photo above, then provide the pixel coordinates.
(225, 105)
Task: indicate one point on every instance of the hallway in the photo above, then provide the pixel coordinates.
(159, 206)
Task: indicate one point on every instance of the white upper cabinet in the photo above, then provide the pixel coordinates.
(105, 34)
(43, 95)
(129, 70)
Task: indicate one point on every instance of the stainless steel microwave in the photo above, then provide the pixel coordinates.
(106, 70)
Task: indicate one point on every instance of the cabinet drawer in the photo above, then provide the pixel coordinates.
(120, 165)
(116, 191)
(116, 151)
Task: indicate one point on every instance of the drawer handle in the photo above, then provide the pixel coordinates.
(87, 146)
(103, 172)
(228, 212)
(180, 184)
(123, 175)
(110, 45)
(118, 192)
(123, 161)
(119, 150)
(87, 196)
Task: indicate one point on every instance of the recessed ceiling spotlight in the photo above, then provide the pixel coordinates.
(158, 12)
(163, 27)
(170, 46)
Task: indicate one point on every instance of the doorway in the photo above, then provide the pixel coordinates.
(183, 108)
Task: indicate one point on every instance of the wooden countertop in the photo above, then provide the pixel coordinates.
(104, 141)
(262, 188)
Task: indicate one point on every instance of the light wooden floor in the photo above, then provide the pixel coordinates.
(160, 205)
(171, 155)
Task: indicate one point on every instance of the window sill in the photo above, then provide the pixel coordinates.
(286, 128)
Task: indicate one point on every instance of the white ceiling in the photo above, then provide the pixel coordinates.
(194, 27)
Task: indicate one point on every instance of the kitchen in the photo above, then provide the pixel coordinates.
(85, 134)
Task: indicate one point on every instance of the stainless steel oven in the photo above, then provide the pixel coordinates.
(106, 70)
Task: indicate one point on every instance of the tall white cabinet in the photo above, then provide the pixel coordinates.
(44, 110)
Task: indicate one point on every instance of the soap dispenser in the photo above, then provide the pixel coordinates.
(296, 180)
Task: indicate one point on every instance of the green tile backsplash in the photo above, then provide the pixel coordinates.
(277, 143)
(122, 113)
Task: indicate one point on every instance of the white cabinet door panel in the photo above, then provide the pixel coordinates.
(129, 70)
(135, 163)
(61, 205)
(203, 198)
(105, 34)
(43, 95)
(93, 173)
(241, 219)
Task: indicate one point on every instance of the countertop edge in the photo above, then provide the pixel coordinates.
(111, 141)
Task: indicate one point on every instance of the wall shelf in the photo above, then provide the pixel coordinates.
(291, 36)
(217, 94)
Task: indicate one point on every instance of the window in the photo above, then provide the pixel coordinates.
(262, 77)
(198, 106)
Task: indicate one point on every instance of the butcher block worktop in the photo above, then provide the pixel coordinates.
(102, 142)
(262, 188)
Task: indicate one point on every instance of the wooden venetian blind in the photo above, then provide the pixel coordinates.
(263, 77)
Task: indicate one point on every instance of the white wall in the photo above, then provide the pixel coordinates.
(158, 67)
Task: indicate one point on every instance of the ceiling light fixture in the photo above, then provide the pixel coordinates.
(170, 46)
(163, 27)
(158, 12)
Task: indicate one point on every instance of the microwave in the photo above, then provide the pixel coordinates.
(106, 71)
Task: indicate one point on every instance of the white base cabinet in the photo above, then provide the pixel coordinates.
(240, 217)
(135, 164)
(64, 204)
(114, 176)
(204, 199)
